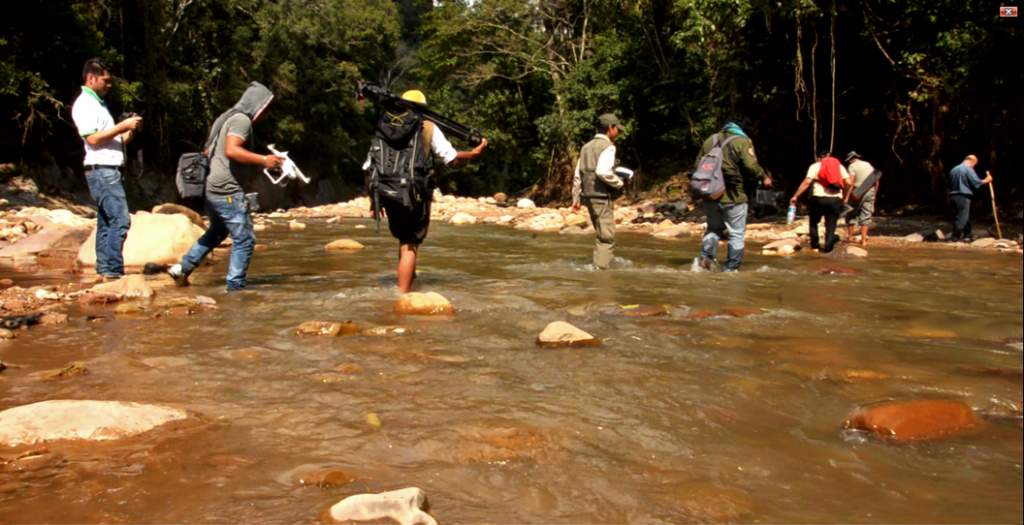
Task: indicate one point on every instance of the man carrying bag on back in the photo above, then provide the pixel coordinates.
(727, 211)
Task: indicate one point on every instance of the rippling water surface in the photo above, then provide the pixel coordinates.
(669, 420)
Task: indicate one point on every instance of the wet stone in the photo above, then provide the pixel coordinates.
(344, 245)
(922, 420)
(429, 303)
(643, 310)
(700, 315)
(384, 331)
(81, 419)
(562, 334)
(856, 251)
(73, 369)
(406, 506)
(53, 318)
(327, 328)
(129, 309)
(852, 376)
(741, 311)
(325, 478)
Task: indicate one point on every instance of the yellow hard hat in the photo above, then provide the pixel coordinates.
(415, 95)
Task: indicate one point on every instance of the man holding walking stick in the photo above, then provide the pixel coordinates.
(962, 183)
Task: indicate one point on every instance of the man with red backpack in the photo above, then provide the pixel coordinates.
(829, 178)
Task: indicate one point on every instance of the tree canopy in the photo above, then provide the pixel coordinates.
(913, 86)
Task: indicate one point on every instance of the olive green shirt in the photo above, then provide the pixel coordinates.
(739, 166)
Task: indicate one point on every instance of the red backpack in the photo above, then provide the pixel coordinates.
(829, 175)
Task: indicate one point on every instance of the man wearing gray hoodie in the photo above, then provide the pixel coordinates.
(225, 197)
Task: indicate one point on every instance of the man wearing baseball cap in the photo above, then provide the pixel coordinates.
(595, 184)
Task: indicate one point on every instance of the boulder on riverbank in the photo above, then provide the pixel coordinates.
(921, 420)
(57, 420)
(406, 506)
(171, 209)
(429, 303)
(48, 242)
(156, 238)
(562, 334)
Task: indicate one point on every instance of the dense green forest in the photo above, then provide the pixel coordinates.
(913, 85)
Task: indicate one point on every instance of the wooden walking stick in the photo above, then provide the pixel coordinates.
(995, 214)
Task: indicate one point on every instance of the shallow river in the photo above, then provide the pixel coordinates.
(669, 420)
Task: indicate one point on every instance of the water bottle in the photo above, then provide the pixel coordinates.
(791, 214)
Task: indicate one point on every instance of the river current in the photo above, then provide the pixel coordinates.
(671, 419)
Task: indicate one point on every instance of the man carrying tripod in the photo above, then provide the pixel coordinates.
(399, 166)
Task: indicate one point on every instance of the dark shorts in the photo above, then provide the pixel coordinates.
(407, 225)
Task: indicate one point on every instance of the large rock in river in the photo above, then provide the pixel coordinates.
(429, 303)
(81, 419)
(560, 333)
(344, 245)
(156, 238)
(922, 420)
(405, 506)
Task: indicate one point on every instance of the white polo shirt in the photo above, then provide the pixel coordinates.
(90, 114)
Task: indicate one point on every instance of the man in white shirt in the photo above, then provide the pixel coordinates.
(399, 170)
(862, 173)
(595, 184)
(826, 198)
(104, 155)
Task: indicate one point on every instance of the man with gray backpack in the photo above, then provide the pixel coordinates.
(725, 169)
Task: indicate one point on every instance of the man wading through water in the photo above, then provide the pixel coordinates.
(596, 183)
(727, 216)
(225, 199)
(399, 166)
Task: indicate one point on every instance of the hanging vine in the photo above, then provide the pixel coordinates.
(832, 42)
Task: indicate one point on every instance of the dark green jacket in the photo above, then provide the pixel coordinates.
(739, 167)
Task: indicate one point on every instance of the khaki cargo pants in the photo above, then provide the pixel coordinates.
(602, 216)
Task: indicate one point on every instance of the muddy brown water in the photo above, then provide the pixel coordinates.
(669, 420)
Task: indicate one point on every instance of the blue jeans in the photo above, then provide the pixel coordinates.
(112, 219)
(722, 218)
(228, 216)
(961, 216)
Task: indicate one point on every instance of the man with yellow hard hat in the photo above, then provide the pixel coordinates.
(400, 167)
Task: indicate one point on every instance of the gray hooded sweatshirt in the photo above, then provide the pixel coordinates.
(225, 173)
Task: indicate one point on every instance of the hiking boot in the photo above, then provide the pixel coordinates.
(179, 275)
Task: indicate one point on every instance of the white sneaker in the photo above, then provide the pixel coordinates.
(178, 275)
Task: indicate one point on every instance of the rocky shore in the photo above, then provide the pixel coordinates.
(666, 220)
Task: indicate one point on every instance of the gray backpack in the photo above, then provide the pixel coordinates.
(707, 181)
